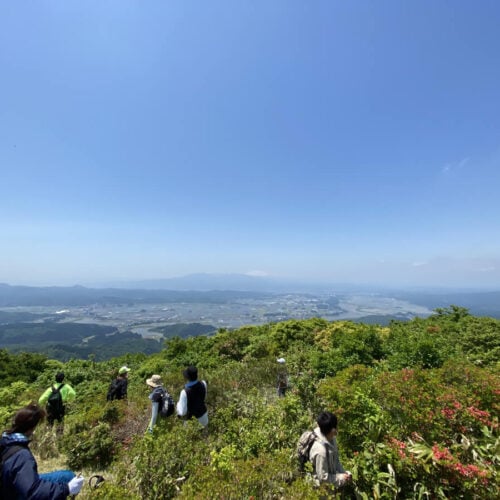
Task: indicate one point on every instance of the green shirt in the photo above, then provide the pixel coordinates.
(67, 393)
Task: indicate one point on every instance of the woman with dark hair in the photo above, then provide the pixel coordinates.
(20, 478)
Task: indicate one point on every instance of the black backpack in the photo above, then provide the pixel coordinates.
(55, 406)
(167, 404)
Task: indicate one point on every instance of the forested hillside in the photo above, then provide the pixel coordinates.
(417, 403)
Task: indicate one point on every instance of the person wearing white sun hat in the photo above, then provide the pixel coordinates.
(282, 378)
(155, 383)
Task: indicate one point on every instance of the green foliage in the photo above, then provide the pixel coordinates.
(89, 446)
(20, 367)
(417, 404)
(159, 463)
(269, 476)
(185, 330)
(293, 331)
(12, 397)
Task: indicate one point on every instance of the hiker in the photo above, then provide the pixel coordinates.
(119, 386)
(192, 398)
(20, 479)
(56, 397)
(156, 385)
(324, 454)
(282, 379)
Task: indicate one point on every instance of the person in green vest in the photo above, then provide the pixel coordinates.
(55, 398)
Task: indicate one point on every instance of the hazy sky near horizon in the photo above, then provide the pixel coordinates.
(342, 141)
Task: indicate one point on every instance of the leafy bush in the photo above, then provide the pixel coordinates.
(89, 446)
(417, 403)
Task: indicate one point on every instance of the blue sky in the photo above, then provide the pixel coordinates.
(329, 140)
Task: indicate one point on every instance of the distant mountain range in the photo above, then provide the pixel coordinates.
(208, 282)
(223, 288)
(12, 296)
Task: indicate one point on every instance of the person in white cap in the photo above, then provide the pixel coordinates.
(119, 387)
(282, 379)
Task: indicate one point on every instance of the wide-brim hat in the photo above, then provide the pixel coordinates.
(154, 381)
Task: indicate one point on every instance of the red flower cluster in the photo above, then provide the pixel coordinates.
(481, 415)
(472, 471)
(451, 463)
(448, 413)
(400, 447)
(441, 454)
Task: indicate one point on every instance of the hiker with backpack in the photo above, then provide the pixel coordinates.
(119, 386)
(55, 399)
(162, 403)
(19, 478)
(320, 448)
(282, 378)
(192, 398)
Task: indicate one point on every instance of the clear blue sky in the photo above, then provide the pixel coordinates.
(343, 141)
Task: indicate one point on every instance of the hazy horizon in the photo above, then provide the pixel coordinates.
(328, 141)
(230, 282)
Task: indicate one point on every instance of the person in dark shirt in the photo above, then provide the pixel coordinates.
(192, 398)
(119, 386)
(20, 478)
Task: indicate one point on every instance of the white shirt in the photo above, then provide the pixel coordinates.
(182, 406)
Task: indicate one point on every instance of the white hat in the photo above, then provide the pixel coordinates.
(154, 381)
(280, 360)
(123, 369)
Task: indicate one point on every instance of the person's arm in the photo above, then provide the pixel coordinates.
(22, 471)
(182, 404)
(69, 393)
(44, 397)
(320, 465)
(154, 415)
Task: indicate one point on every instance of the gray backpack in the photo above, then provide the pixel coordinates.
(304, 448)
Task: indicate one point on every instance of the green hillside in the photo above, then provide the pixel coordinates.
(417, 402)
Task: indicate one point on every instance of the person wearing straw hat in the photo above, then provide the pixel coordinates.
(155, 383)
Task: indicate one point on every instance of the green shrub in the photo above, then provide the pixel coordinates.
(157, 464)
(92, 447)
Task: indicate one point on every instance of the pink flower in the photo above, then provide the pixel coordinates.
(441, 454)
(448, 413)
(481, 415)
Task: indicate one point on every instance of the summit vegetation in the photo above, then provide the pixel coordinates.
(417, 402)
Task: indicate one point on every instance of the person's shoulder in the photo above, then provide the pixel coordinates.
(21, 454)
(157, 394)
(316, 446)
